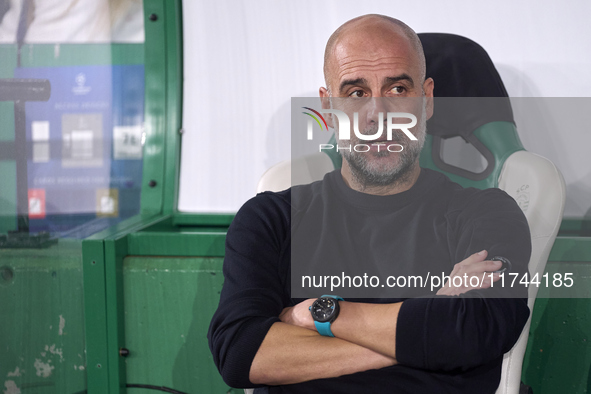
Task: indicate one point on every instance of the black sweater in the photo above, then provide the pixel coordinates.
(443, 344)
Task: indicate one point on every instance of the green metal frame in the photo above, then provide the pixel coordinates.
(103, 252)
(163, 68)
(102, 259)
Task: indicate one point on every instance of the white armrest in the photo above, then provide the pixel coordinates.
(300, 171)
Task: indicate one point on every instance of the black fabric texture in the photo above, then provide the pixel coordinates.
(462, 68)
(444, 344)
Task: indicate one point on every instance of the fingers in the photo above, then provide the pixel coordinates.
(491, 265)
(488, 266)
(468, 262)
(475, 273)
(473, 259)
(479, 256)
(477, 267)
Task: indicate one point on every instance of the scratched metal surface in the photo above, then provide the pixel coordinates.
(169, 302)
(42, 320)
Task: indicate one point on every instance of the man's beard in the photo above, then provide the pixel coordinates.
(377, 173)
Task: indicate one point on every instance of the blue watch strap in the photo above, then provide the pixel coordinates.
(324, 328)
(336, 297)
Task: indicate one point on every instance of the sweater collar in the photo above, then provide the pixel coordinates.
(426, 181)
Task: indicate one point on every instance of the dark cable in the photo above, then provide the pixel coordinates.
(146, 386)
(150, 387)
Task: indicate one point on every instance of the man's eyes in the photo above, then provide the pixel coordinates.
(357, 93)
(396, 90)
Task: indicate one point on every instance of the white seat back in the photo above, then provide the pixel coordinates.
(538, 187)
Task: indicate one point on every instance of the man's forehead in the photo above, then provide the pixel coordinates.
(372, 53)
(347, 55)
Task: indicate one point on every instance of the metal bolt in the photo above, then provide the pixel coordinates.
(153, 17)
(6, 274)
(99, 366)
(93, 263)
(152, 183)
(123, 352)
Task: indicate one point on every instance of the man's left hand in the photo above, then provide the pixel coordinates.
(299, 315)
(473, 266)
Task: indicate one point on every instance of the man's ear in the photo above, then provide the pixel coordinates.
(428, 87)
(325, 100)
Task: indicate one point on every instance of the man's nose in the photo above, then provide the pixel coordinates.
(375, 106)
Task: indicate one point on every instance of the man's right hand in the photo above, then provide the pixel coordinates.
(291, 354)
(299, 315)
(473, 266)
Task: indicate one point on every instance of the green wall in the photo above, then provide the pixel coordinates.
(42, 347)
(169, 303)
(557, 359)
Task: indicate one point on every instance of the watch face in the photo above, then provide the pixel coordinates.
(324, 309)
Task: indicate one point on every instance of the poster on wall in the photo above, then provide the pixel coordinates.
(84, 146)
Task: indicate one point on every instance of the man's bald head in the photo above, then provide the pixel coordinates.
(379, 26)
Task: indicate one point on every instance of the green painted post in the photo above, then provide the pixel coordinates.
(115, 251)
(174, 99)
(95, 310)
(155, 106)
(163, 95)
(163, 67)
(103, 255)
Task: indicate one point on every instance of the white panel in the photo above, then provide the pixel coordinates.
(244, 60)
(76, 21)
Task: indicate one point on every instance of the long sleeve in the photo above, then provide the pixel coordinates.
(254, 291)
(451, 333)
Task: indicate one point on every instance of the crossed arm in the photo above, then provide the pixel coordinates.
(365, 337)
(291, 354)
(255, 341)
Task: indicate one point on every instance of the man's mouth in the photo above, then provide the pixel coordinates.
(385, 141)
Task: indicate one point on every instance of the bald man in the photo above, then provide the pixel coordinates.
(261, 337)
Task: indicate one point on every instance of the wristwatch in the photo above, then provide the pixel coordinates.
(324, 311)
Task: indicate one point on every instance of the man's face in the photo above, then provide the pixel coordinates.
(387, 160)
(371, 72)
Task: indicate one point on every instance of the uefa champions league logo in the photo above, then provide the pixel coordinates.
(81, 88)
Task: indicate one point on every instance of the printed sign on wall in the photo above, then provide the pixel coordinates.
(85, 146)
